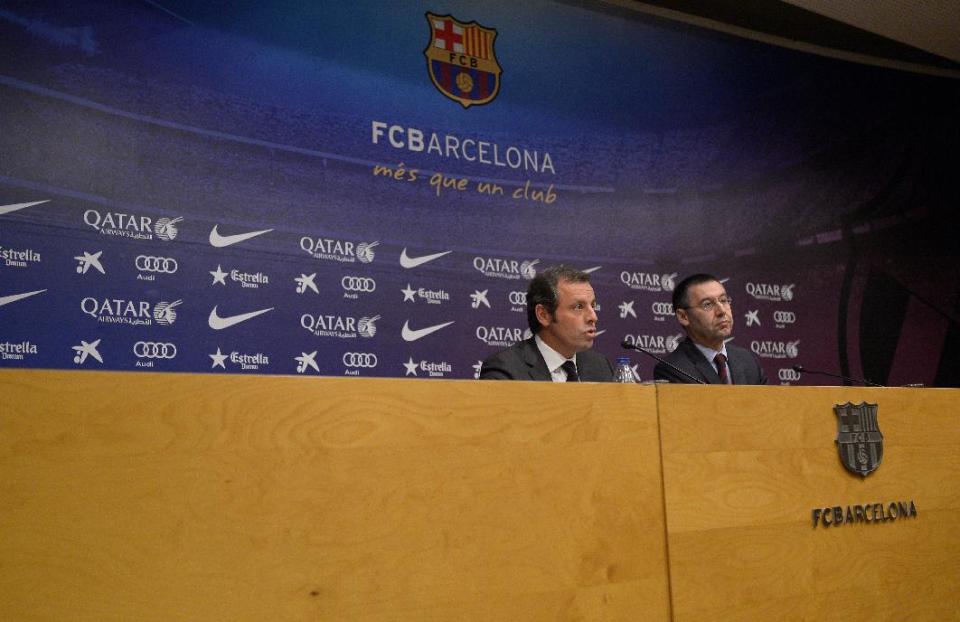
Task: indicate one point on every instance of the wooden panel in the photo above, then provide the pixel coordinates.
(188, 497)
(744, 467)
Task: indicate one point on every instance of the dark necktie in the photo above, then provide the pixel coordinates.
(721, 362)
(571, 368)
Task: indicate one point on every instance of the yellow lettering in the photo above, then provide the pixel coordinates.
(439, 181)
(489, 188)
(398, 174)
(547, 196)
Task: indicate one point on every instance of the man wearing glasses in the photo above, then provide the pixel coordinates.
(703, 309)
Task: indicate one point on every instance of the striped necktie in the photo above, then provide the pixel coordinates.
(721, 362)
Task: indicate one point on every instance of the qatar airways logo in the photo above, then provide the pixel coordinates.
(130, 312)
(124, 225)
(658, 344)
(646, 281)
(341, 327)
(510, 269)
(501, 336)
(330, 249)
(776, 349)
(774, 293)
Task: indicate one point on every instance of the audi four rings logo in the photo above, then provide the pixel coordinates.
(164, 265)
(358, 284)
(789, 375)
(784, 317)
(154, 350)
(662, 308)
(360, 359)
(518, 298)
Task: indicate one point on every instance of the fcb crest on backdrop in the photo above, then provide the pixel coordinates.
(859, 440)
(461, 60)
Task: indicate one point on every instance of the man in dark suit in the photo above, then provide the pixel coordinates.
(561, 312)
(702, 307)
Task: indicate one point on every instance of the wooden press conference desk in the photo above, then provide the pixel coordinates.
(149, 496)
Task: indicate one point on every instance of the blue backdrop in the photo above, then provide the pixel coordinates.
(288, 188)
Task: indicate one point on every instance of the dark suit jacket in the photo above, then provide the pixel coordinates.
(743, 365)
(522, 361)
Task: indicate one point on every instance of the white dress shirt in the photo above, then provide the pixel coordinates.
(554, 360)
(712, 354)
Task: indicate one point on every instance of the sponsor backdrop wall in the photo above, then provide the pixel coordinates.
(366, 188)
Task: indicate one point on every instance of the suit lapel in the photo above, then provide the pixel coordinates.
(708, 372)
(536, 366)
(738, 372)
(585, 369)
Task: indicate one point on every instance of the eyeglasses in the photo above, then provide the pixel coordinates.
(709, 305)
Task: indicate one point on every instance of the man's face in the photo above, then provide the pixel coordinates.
(573, 327)
(707, 327)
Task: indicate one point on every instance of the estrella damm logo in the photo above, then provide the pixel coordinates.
(461, 60)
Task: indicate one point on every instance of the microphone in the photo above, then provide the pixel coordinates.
(800, 369)
(632, 346)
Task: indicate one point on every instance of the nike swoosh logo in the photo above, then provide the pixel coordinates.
(13, 207)
(5, 300)
(591, 270)
(412, 262)
(219, 323)
(409, 334)
(221, 241)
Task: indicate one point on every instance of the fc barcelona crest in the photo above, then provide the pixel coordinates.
(859, 440)
(461, 60)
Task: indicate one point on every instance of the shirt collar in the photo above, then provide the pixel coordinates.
(710, 353)
(551, 357)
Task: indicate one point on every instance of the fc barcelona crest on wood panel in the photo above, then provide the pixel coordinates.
(859, 440)
(461, 60)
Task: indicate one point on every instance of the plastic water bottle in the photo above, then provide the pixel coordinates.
(623, 372)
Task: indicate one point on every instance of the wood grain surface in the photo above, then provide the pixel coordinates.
(745, 466)
(143, 496)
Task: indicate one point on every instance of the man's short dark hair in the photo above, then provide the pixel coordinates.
(543, 291)
(681, 293)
